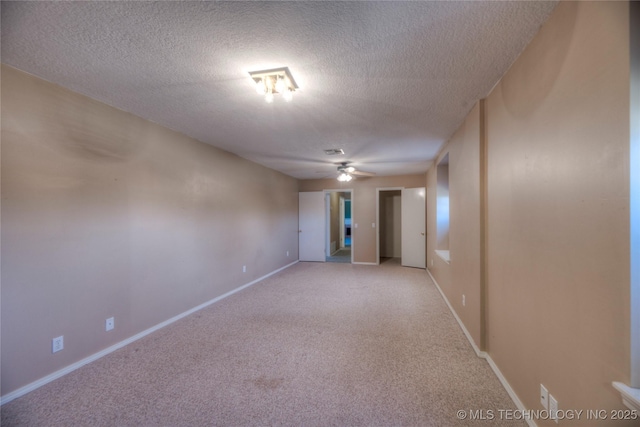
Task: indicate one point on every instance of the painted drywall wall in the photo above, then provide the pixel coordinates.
(556, 130)
(364, 206)
(460, 277)
(390, 224)
(106, 214)
(558, 210)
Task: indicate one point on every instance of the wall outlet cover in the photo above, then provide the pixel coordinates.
(57, 344)
(109, 324)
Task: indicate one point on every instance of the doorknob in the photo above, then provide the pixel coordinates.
(422, 233)
(299, 231)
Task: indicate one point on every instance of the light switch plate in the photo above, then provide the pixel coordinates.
(544, 397)
(553, 408)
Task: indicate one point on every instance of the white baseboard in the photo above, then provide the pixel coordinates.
(479, 353)
(630, 395)
(484, 355)
(364, 263)
(507, 387)
(55, 375)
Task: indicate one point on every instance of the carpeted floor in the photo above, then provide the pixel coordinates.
(319, 344)
(342, 255)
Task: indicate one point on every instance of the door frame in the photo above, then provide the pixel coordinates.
(341, 218)
(378, 190)
(327, 231)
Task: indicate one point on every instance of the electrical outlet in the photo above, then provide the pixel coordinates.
(109, 324)
(464, 300)
(544, 397)
(244, 268)
(373, 225)
(57, 344)
(431, 262)
(287, 253)
(553, 408)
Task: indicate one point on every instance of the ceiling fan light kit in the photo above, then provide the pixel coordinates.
(344, 177)
(346, 172)
(277, 81)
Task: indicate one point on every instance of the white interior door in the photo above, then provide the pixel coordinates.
(413, 227)
(311, 226)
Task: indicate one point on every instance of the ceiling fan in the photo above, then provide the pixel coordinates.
(346, 172)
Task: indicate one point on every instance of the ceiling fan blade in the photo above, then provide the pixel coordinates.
(362, 173)
(325, 174)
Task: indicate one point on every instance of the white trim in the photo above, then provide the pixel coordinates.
(362, 263)
(60, 373)
(479, 352)
(630, 396)
(507, 387)
(484, 355)
(333, 251)
(327, 224)
(444, 254)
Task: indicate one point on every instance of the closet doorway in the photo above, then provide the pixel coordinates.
(389, 213)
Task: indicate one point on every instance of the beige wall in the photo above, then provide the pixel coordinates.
(363, 206)
(556, 130)
(462, 275)
(558, 224)
(106, 214)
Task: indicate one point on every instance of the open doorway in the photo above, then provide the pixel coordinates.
(389, 224)
(339, 239)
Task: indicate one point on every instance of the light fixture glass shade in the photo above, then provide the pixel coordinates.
(260, 87)
(269, 97)
(277, 81)
(344, 177)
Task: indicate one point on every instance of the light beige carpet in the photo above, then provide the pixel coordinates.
(315, 345)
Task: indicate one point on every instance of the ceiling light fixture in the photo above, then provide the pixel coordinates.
(277, 81)
(344, 177)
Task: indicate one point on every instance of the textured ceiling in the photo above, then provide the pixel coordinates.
(388, 82)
